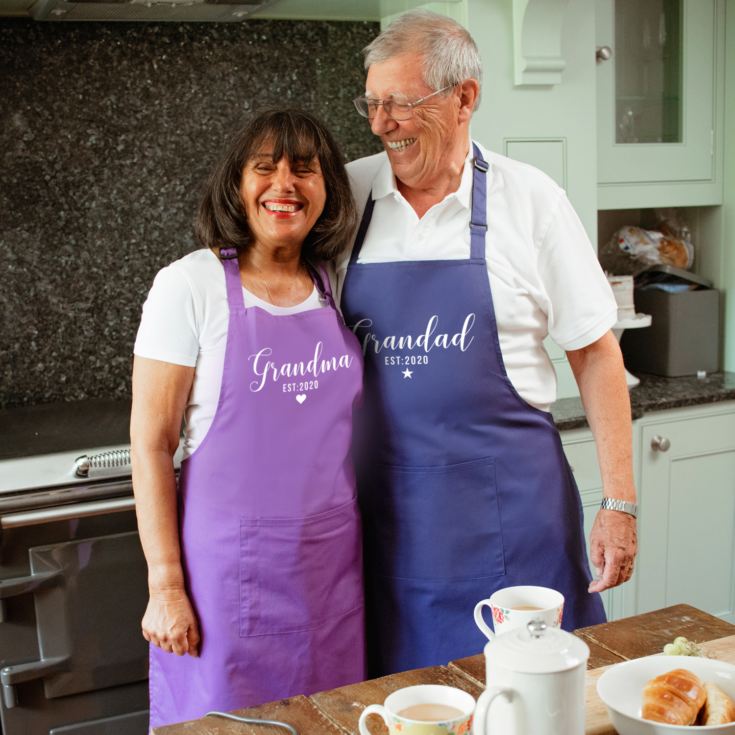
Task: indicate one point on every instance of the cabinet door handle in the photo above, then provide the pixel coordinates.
(660, 444)
(603, 53)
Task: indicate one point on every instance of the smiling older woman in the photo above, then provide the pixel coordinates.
(254, 564)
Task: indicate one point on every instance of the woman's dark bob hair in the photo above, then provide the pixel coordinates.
(299, 137)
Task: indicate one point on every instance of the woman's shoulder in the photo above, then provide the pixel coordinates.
(197, 270)
(198, 261)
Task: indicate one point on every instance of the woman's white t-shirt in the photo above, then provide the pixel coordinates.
(184, 322)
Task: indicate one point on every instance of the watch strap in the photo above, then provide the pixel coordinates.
(622, 505)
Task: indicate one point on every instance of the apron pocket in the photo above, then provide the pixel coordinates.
(297, 573)
(434, 522)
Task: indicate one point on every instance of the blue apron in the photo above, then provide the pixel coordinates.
(464, 487)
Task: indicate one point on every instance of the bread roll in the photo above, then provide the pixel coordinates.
(719, 709)
(674, 698)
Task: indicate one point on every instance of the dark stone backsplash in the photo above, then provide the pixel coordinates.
(107, 132)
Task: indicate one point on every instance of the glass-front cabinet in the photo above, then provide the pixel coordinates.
(657, 97)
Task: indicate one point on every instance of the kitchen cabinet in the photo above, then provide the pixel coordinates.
(659, 102)
(581, 452)
(548, 123)
(687, 510)
(684, 465)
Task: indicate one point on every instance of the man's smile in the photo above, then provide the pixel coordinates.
(400, 145)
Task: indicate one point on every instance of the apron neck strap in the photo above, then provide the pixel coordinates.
(367, 215)
(228, 256)
(321, 281)
(478, 217)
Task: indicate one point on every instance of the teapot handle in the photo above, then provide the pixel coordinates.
(479, 721)
(481, 624)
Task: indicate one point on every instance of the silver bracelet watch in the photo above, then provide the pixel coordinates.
(621, 505)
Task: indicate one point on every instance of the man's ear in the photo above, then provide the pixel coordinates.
(469, 91)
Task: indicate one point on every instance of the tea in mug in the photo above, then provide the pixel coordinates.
(527, 607)
(431, 712)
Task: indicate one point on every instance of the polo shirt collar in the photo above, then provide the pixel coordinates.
(384, 183)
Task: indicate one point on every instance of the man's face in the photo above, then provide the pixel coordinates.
(418, 148)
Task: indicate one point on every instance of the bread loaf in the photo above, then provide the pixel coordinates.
(674, 698)
(718, 709)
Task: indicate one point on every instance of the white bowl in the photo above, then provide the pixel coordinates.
(621, 688)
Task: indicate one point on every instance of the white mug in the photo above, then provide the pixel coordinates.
(515, 607)
(431, 695)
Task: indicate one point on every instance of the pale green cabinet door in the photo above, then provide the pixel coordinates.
(656, 94)
(580, 450)
(687, 511)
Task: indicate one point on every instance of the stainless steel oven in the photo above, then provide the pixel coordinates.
(72, 574)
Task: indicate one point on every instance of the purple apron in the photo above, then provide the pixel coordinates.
(270, 533)
(465, 488)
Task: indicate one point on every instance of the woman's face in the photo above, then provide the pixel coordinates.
(282, 202)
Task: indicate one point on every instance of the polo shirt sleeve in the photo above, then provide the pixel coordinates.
(581, 305)
(168, 327)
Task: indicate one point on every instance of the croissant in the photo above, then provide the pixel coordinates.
(674, 698)
(719, 709)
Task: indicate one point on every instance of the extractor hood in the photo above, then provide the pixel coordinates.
(149, 10)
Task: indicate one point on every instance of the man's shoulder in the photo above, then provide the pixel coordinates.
(362, 173)
(520, 176)
(366, 165)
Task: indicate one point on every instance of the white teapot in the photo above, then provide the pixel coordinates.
(535, 683)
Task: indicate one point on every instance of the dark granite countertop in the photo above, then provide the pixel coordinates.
(655, 394)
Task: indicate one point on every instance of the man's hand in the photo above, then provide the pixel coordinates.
(613, 546)
(169, 623)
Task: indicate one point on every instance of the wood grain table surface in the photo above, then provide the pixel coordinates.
(337, 711)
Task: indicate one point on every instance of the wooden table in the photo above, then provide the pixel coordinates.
(336, 712)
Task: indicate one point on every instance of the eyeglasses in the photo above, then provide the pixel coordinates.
(396, 106)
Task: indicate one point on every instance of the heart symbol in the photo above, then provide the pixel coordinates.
(301, 397)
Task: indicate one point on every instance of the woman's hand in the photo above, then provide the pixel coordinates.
(170, 623)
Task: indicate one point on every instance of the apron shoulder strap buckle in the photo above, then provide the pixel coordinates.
(228, 253)
(480, 164)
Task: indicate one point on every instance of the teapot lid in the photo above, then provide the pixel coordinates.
(538, 649)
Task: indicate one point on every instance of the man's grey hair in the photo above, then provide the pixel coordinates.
(449, 51)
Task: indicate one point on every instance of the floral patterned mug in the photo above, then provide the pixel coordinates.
(426, 709)
(515, 607)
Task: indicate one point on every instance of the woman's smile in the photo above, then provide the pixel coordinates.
(282, 208)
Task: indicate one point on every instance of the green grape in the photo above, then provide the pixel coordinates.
(682, 647)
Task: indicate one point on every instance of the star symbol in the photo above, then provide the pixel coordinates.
(408, 373)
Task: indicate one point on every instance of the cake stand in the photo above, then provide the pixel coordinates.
(634, 322)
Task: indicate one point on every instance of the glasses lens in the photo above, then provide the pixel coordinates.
(361, 105)
(399, 110)
(368, 107)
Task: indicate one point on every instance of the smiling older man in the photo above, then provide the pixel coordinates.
(464, 262)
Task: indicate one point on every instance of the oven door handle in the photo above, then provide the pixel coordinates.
(19, 673)
(69, 512)
(23, 585)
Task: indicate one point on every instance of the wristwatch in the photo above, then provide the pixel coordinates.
(621, 505)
